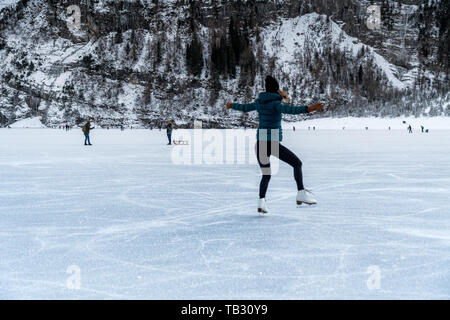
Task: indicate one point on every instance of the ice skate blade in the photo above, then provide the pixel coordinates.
(299, 203)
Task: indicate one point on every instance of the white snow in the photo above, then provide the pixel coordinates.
(137, 226)
(293, 35)
(34, 122)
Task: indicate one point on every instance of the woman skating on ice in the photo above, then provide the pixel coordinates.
(269, 136)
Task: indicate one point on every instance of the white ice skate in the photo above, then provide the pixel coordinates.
(262, 208)
(304, 196)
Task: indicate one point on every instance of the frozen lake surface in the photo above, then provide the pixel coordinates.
(120, 220)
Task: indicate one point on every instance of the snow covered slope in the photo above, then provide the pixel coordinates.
(314, 32)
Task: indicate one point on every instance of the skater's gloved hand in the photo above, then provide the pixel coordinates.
(229, 104)
(314, 107)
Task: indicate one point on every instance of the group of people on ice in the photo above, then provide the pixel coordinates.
(422, 128)
(86, 130)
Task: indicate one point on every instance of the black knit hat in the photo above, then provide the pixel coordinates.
(272, 84)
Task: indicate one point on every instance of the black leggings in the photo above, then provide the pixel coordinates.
(264, 150)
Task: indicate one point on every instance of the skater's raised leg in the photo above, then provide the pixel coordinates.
(303, 195)
(290, 158)
(264, 151)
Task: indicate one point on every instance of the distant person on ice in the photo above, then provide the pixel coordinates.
(409, 129)
(86, 129)
(269, 137)
(169, 129)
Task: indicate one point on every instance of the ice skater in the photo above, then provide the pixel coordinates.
(269, 137)
(86, 130)
(169, 130)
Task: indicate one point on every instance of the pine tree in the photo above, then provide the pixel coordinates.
(118, 39)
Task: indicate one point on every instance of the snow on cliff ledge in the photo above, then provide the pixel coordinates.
(28, 123)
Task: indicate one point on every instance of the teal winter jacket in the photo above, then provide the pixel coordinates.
(269, 107)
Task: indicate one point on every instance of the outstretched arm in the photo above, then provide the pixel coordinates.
(284, 108)
(241, 107)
